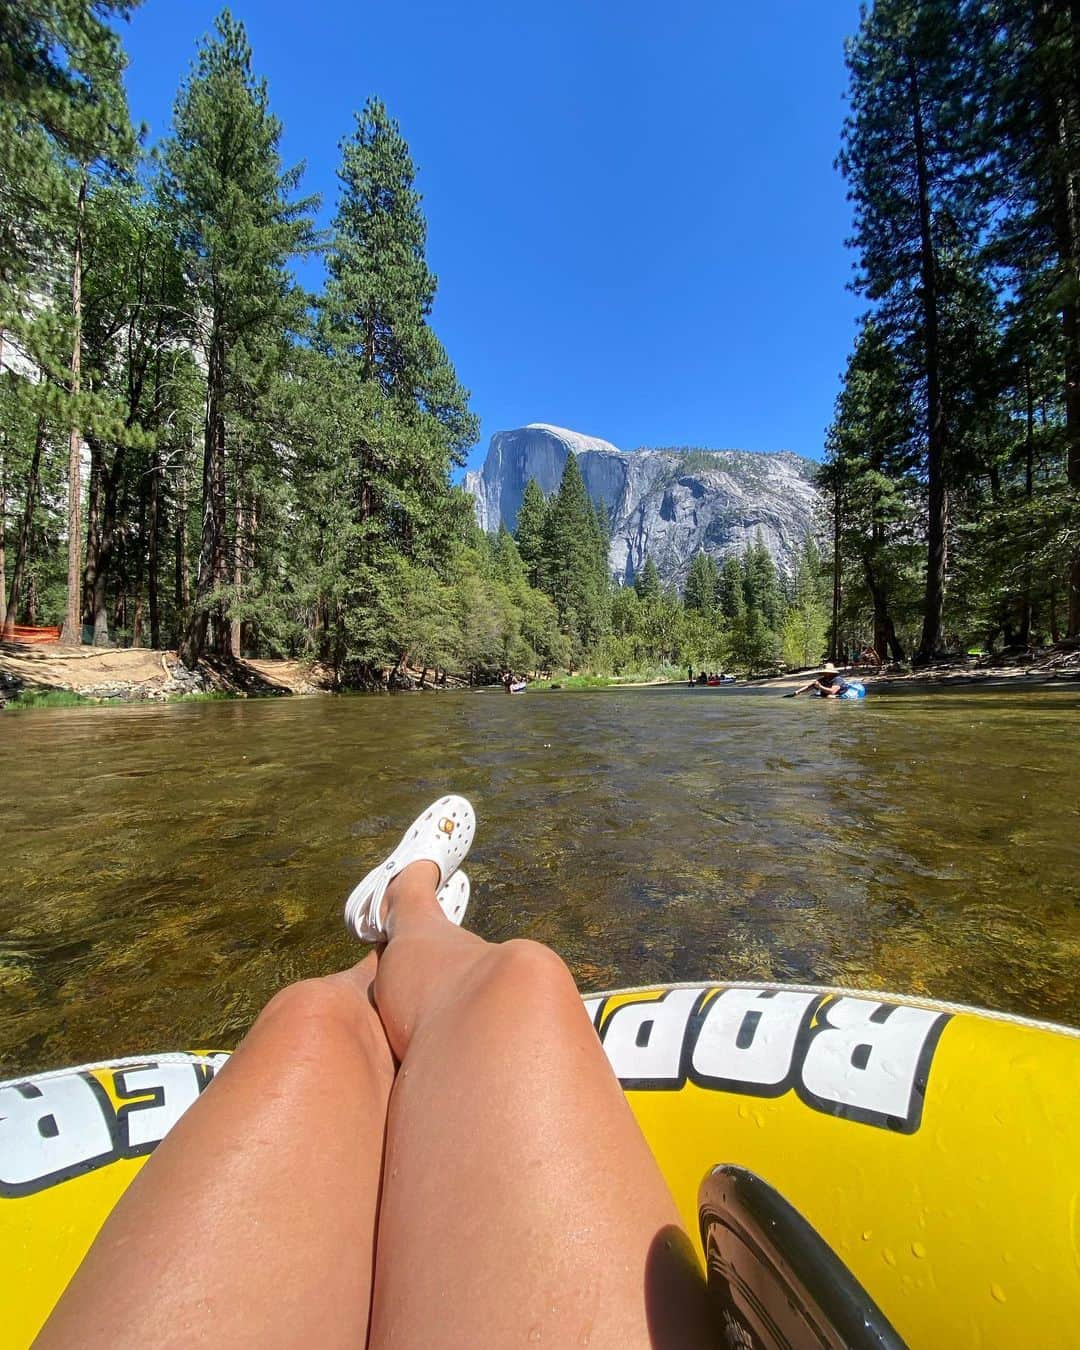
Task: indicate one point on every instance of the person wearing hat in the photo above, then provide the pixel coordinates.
(829, 684)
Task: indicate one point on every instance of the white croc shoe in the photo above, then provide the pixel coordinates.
(443, 835)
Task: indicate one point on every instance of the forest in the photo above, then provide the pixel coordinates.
(197, 453)
(953, 465)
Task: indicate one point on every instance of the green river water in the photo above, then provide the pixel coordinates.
(167, 868)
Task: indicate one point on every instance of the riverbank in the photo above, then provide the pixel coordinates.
(144, 675)
(1059, 668)
(46, 674)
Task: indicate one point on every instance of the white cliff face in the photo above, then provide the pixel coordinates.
(662, 503)
(537, 451)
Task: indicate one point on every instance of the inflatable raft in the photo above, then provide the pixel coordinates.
(864, 1169)
(855, 689)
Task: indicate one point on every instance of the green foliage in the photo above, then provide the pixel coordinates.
(805, 625)
(62, 110)
(531, 531)
(647, 583)
(701, 584)
(27, 699)
(324, 522)
(574, 568)
(955, 452)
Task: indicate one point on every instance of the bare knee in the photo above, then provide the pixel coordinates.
(530, 970)
(315, 1015)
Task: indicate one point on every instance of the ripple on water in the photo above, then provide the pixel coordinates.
(166, 869)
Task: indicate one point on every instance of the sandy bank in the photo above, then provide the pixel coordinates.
(140, 674)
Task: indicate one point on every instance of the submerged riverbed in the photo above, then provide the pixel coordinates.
(166, 869)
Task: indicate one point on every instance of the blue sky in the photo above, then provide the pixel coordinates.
(632, 207)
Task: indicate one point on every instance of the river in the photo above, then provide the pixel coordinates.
(167, 868)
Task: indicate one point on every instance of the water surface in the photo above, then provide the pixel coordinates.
(166, 869)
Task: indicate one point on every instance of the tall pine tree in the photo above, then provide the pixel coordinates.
(907, 155)
(239, 225)
(412, 422)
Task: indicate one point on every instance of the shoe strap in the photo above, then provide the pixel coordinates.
(374, 907)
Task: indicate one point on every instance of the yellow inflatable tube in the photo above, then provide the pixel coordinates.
(922, 1157)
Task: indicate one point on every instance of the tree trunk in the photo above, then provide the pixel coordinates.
(71, 632)
(181, 594)
(105, 549)
(1058, 108)
(212, 545)
(1070, 326)
(885, 639)
(137, 635)
(937, 523)
(834, 639)
(1024, 631)
(239, 561)
(3, 531)
(22, 548)
(153, 561)
(93, 528)
(153, 523)
(221, 558)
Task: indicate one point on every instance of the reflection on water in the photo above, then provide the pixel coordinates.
(166, 869)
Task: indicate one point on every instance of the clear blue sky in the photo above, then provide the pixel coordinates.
(631, 206)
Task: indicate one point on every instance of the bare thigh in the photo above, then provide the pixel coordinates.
(253, 1223)
(521, 1203)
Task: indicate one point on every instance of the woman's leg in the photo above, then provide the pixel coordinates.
(253, 1224)
(520, 1202)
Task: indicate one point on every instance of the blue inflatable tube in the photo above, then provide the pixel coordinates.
(854, 690)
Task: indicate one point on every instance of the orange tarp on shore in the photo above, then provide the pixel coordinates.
(21, 633)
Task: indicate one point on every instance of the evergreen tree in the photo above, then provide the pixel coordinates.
(754, 646)
(647, 583)
(804, 628)
(701, 583)
(730, 592)
(239, 226)
(871, 473)
(909, 161)
(137, 348)
(61, 105)
(1030, 134)
(761, 584)
(530, 531)
(373, 324)
(63, 116)
(575, 561)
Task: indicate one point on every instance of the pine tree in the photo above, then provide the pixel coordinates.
(647, 582)
(137, 348)
(63, 117)
(414, 422)
(233, 207)
(530, 531)
(730, 593)
(61, 104)
(1031, 136)
(761, 584)
(871, 473)
(575, 561)
(804, 627)
(909, 161)
(701, 583)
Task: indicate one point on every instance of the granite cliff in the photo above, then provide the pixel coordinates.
(663, 503)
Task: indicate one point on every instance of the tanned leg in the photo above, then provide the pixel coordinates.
(253, 1223)
(521, 1204)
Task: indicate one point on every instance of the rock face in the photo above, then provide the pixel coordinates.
(666, 504)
